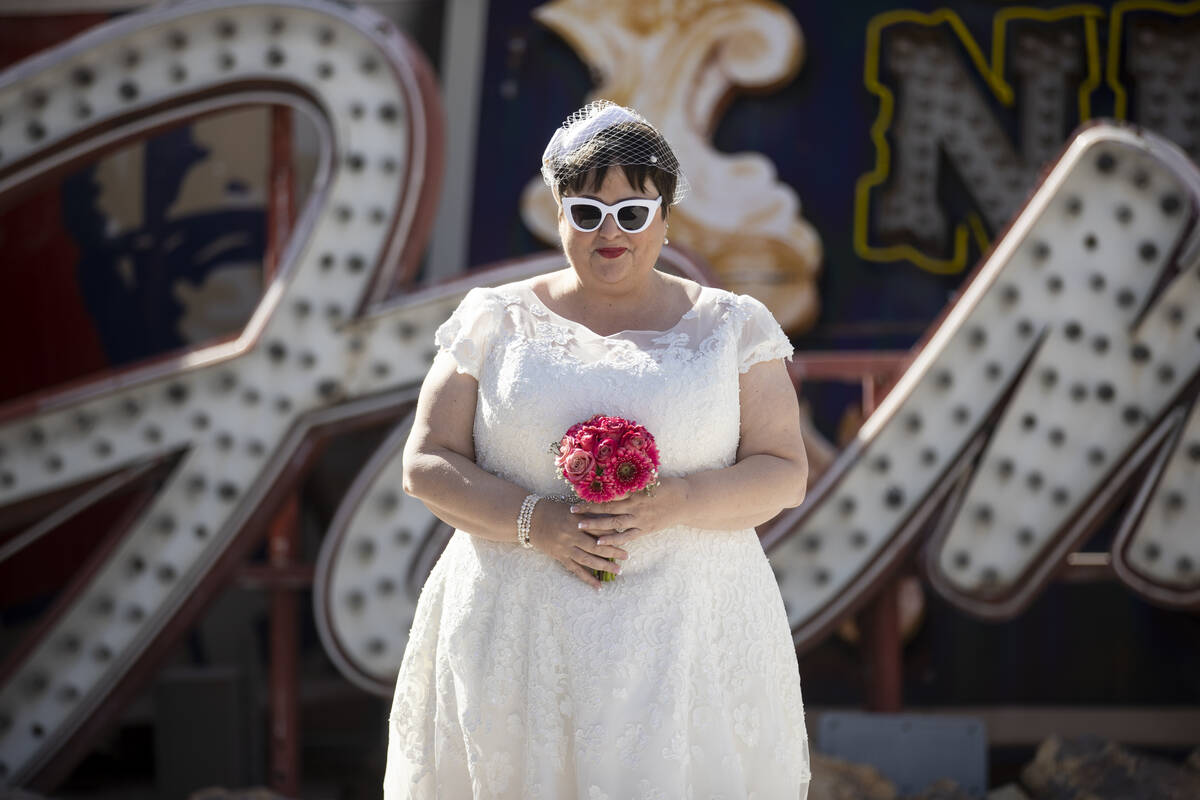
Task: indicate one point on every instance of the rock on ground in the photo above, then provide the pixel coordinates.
(219, 793)
(945, 789)
(1009, 791)
(835, 779)
(1092, 767)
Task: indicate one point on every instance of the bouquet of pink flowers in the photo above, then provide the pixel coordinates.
(607, 458)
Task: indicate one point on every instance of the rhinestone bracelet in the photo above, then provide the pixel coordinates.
(525, 519)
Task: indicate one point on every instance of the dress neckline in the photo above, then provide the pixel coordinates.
(691, 312)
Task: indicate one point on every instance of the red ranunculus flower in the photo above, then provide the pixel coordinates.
(634, 439)
(605, 450)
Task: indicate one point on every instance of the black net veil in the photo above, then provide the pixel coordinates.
(617, 131)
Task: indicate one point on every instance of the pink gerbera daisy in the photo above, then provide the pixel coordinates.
(599, 489)
(631, 470)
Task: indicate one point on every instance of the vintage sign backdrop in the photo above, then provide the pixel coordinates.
(851, 162)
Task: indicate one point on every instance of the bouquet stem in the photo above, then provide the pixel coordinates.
(605, 576)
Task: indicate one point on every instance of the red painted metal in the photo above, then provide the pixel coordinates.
(258, 577)
(880, 620)
(283, 532)
(284, 741)
(851, 367)
(880, 623)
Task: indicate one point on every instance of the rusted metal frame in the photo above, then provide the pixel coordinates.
(1056, 562)
(879, 619)
(289, 460)
(48, 774)
(1119, 564)
(1062, 564)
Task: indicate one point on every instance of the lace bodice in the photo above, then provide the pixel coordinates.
(539, 373)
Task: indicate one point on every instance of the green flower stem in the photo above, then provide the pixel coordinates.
(605, 576)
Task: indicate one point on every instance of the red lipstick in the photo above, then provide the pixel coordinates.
(610, 252)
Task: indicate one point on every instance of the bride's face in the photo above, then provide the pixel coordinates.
(610, 256)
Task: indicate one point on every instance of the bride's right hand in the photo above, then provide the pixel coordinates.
(555, 531)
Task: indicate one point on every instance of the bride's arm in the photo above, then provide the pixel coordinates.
(771, 468)
(769, 475)
(440, 471)
(439, 459)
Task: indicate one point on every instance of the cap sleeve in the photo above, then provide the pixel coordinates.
(468, 331)
(761, 338)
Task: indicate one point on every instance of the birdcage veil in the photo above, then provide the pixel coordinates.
(603, 133)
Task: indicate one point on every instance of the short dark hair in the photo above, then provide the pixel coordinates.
(586, 168)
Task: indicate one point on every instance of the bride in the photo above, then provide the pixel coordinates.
(525, 676)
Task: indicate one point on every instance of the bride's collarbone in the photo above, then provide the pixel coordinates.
(613, 324)
(660, 318)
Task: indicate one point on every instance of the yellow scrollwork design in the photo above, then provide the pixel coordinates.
(679, 64)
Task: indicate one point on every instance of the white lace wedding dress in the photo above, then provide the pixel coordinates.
(678, 679)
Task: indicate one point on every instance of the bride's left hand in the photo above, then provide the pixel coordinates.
(620, 521)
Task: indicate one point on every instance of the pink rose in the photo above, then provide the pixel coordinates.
(577, 464)
(605, 450)
(606, 458)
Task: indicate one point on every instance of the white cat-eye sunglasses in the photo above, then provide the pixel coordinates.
(631, 216)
